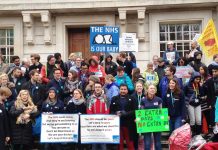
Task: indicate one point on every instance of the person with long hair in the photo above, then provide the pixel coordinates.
(203, 70)
(76, 105)
(21, 114)
(136, 75)
(111, 89)
(174, 100)
(152, 102)
(193, 93)
(71, 83)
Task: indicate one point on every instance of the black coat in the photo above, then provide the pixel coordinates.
(111, 68)
(59, 86)
(127, 65)
(4, 127)
(20, 81)
(210, 91)
(129, 117)
(37, 92)
(20, 133)
(74, 109)
(37, 67)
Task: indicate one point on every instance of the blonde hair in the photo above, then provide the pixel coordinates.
(110, 77)
(80, 92)
(19, 103)
(153, 86)
(3, 75)
(71, 55)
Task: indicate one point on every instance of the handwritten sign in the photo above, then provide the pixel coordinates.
(104, 39)
(58, 128)
(100, 129)
(152, 120)
(183, 71)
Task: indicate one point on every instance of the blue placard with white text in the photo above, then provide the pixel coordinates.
(104, 39)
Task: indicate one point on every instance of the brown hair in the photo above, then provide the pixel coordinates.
(74, 74)
(135, 74)
(123, 55)
(120, 68)
(177, 90)
(35, 56)
(5, 91)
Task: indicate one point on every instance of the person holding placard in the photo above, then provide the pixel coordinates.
(124, 106)
(52, 105)
(98, 104)
(152, 102)
(171, 55)
(174, 100)
(76, 105)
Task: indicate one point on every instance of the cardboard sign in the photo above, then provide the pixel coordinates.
(152, 120)
(100, 129)
(128, 42)
(104, 39)
(58, 128)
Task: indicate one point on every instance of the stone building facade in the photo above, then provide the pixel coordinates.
(48, 26)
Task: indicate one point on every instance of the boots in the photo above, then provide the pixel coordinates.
(193, 129)
(198, 129)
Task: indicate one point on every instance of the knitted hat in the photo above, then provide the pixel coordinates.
(94, 78)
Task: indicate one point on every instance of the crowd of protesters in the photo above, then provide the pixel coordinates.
(106, 86)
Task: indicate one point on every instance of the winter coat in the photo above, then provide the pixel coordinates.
(150, 78)
(196, 63)
(111, 90)
(160, 71)
(128, 66)
(20, 133)
(163, 85)
(4, 127)
(125, 79)
(176, 57)
(111, 68)
(18, 85)
(37, 92)
(55, 109)
(37, 67)
(191, 97)
(59, 86)
(210, 91)
(127, 115)
(175, 104)
(97, 104)
(74, 108)
(210, 67)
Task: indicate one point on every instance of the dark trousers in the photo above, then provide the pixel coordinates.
(148, 141)
(52, 147)
(21, 147)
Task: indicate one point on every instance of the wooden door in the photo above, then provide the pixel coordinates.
(79, 42)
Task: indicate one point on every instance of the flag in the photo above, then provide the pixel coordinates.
(208, 40)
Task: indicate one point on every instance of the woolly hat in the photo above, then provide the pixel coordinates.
(94, 78)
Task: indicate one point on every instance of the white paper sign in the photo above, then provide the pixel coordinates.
(170, 56)
(100, 129)
(58, 128)
(128, 43)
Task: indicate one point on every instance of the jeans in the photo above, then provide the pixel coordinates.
(175, 123)
(194, 114)
(148, 141)
(99, 147)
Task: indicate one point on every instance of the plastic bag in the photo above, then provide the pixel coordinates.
(180, 138)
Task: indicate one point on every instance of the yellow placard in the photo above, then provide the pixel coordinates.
(208, 40)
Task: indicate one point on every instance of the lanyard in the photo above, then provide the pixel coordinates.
(196, 91)
(172, 98)
(139, 101)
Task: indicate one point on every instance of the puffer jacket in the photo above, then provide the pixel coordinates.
(125, 79)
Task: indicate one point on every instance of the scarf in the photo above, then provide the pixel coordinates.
(52, 103)
(72, 84)
(78, 101)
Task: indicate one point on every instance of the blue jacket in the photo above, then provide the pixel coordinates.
(57, 108)
(163, 85)
(111, 90)
(175, 104)
(125, 79)
(176, 57)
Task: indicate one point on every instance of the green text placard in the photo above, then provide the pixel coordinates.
(152, 120)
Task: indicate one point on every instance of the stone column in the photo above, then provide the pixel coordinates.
(141, 24)
(28, 22)
(46, 21)
(122, 17)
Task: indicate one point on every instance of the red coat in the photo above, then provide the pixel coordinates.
(99, 71)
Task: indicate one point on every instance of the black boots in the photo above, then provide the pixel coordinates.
(196, 130)
(193, 129)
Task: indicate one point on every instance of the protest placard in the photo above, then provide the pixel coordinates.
(57, 128)
(100, 129)
(183, 71)
(104, 39)
(152, 120)
(170, 56)
(128, 42)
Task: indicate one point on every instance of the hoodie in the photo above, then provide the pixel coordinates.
(110, 67)
(196, 64)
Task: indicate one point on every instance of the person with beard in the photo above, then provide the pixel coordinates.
(59, 61)
(17, 78)
(71, 83)
(76, 105)
(196, 63)
(83, 75)
(110, 66)
(4, 120)
(15, 63)
(124, 106)
(47, 70)
(52, 105)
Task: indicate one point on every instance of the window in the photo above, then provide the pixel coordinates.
(7, 44)
(181, 34)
